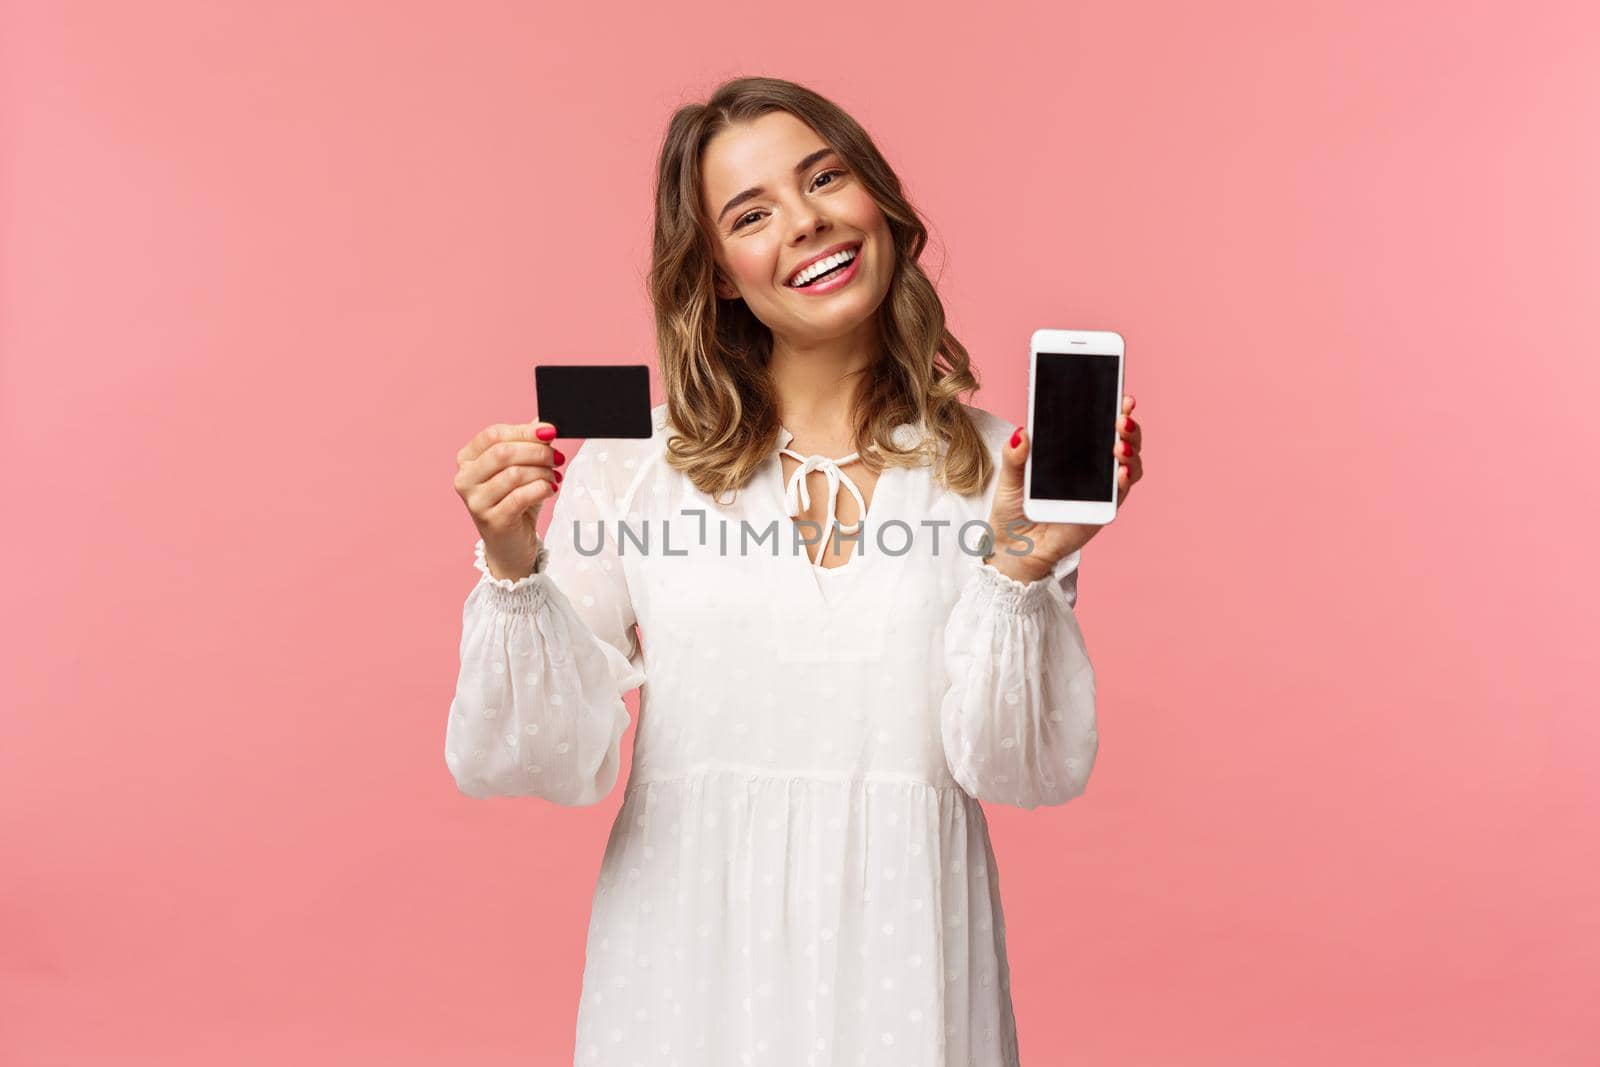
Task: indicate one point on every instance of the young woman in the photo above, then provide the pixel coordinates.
(800, 872)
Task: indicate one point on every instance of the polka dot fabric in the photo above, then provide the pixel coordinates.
(800, 872)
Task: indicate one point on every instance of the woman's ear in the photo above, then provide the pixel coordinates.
(725, 289)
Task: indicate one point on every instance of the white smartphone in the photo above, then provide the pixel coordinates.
(1074, 401)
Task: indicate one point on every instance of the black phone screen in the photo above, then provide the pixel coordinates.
(1074, 426)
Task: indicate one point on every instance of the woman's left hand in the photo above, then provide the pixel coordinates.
(1052, 541)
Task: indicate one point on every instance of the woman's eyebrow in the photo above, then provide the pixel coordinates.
(758, 190)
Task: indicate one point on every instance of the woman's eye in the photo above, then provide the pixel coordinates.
(745, 218)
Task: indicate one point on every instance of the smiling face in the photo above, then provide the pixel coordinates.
(762, 239)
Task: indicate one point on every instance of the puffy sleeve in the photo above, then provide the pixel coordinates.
(1018, 719)
(546, 659)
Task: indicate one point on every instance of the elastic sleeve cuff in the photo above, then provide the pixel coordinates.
(521, 596)
(1011, 597)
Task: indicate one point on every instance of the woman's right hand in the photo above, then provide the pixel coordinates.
(504, 475)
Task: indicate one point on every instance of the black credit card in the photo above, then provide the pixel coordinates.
(594, 400)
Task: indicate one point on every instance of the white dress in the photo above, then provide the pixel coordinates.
(800, 872)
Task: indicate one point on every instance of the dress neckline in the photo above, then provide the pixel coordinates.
(797, 497)
(826, 583)
(797, 491)
(794, 496)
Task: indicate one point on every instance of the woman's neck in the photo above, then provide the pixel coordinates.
(816, 393)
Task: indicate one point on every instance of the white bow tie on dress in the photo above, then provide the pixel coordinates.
(799, 495)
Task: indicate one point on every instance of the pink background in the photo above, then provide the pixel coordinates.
(265, 268)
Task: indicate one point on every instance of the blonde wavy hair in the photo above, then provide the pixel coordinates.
(714, 354)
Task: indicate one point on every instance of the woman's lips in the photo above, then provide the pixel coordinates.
(837, 249)
(837, 281)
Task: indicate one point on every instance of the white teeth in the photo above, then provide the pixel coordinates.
(822, 266)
